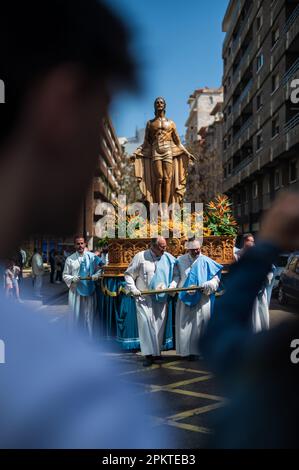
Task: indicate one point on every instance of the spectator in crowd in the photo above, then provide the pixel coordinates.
(37, 268)
(11, 280)
(59, 266)
(53, 253)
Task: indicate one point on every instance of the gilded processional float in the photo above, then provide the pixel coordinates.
(161, 169)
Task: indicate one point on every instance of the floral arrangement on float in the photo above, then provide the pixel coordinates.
(216, 223)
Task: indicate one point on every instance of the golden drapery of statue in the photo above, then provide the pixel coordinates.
(161, 162)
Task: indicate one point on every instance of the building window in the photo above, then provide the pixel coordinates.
(229, 139)
(259, 141)
(277, 179)
(211, 100)
(259, 22)
(293, 171)
(255, 190)
(259, 101)
(275, 126)
(275, 82)
(229, 170)
(259, 62)
(228, 81)
(225, 172)
(246, 194)
(225, 144)
(275, 36)
(229, 110)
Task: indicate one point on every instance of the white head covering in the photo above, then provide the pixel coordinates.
(192, 245)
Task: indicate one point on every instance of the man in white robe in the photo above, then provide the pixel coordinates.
(191, 320)
(260, 311)
(82, 295)
(37, 268)
(146, 268)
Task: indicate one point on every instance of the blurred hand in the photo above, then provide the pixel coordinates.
(76, 279)
(191, 292)
(172, 285)
(281, 223)
(136, 293)
(160, 286)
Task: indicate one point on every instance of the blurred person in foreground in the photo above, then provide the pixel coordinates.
(256, 371)
(260, 311)
(61, 61)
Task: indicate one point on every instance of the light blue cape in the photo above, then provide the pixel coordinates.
(202, 270)
(88, 267)
(163, 275)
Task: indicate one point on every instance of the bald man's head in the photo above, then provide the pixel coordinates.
(158, 245)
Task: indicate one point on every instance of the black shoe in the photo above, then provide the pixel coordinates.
(192, 358)
(148, 361)
(157, 358)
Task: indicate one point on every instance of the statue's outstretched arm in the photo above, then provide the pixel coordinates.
(177, 141)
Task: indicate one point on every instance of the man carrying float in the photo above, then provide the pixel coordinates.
(150, 269)
(193, 308)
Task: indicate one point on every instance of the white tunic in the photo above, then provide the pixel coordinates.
(260, 311)
(191, 321)
(82, 308)
(151, 315)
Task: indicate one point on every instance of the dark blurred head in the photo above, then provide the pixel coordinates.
(61, 62)
(248, 240)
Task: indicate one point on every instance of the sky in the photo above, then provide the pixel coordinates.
(178, 44)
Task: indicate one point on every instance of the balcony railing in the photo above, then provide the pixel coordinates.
(292, 18)
(243, 129)
(292, 123)
(244, 56)
(233, 22)
(289, 73)
(242, 164)
(244, 93)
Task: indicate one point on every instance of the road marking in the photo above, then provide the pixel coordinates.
(185, 426)
(183, 369)
(158, 388)
(195, 412)
(196, 394)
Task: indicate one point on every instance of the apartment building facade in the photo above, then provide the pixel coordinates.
(107, 179)
(261, 121)
(201, 103)
(204, 140)
(105, 185)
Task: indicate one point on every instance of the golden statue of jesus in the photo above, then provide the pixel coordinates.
(161, 162)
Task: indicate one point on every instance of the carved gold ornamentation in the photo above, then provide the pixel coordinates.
(122, 251)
